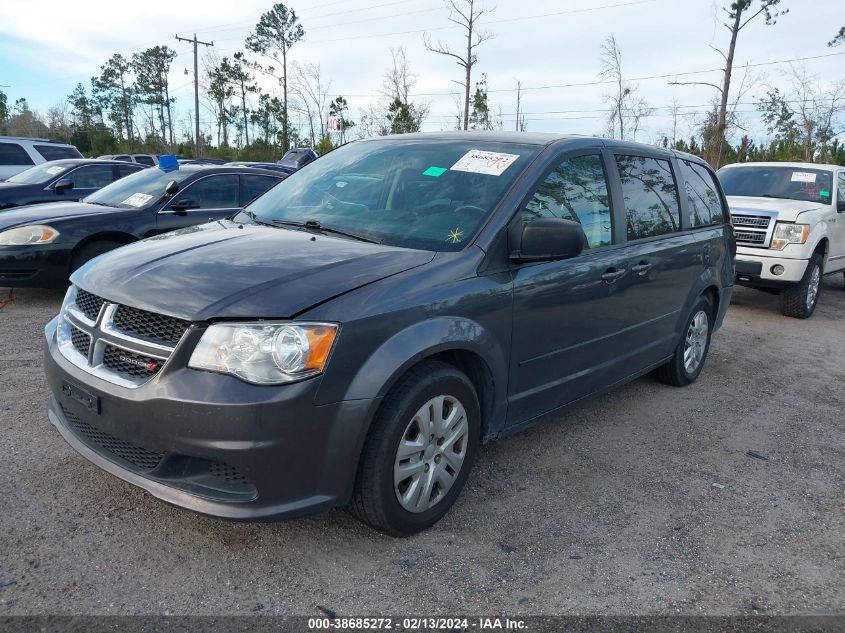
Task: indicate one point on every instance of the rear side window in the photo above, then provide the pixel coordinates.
(91, 176)
(125, 170)
(257, 185)
(214, 192)
(14, 154)
(841, 188)
(651, 197)
(57, 152)
(144, 160)
(123, 157)
(705, 206)
(575, 190)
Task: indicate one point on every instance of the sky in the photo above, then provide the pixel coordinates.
(550, 46)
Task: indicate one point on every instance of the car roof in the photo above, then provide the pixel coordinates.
(793, 165)
(15, 139)
(193, 168)
(82, 161)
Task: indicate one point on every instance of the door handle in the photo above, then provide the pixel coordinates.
(612, 274)
(642, 268)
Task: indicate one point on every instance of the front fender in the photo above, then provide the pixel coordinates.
(375, 377)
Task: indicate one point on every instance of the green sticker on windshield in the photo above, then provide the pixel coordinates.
(824, 194)
(435, 171)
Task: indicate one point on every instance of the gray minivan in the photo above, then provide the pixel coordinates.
(354, 335)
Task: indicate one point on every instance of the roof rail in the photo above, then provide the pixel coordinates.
(31, 138)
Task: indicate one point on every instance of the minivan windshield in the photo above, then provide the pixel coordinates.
(422, 194)
(788, 183)
(137, 190)
(40, 174)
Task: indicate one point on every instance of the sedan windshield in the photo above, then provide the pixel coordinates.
(789, 183)
(423, 194)
(40, 174)
(137, 190)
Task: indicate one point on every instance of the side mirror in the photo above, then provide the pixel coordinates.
(62, 185)
(184, 204)
(549, 239)
(171, 187)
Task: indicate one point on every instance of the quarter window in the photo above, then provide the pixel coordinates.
(705, 205)
(91, 177)
(14, 154)
(651, 197)
(258, 185)
(841, 188)
(575, 190)
(144, 160)
(214, 192)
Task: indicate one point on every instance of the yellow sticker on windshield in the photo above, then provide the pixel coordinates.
(455, 236)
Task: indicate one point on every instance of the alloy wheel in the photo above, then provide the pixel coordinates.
(696, 341)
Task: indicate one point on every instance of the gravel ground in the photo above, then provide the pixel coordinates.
(609, 507)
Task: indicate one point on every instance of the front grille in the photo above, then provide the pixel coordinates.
(228, 473)
(750, 237)
(136, 455)
(89, 304)
(151, 326)
(753, 221)
(130, 364)
(81, 341)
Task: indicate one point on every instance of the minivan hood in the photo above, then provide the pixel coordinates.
(48, 212)
(786, 210)
(228, 270)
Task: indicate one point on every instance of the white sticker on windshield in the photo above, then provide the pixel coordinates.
(55, 169)
(138, 199)
(803, 176)
(477, 161)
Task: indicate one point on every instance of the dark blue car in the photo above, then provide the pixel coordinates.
(62, 180)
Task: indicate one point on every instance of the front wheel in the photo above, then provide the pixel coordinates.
(419, 451)
(691, 352)
(799, 301)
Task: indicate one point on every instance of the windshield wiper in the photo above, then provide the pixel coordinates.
(314, 225)
(254, 217)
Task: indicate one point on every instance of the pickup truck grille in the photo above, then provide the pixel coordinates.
(121, 344)
(752, 230)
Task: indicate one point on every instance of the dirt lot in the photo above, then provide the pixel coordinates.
(608, 508)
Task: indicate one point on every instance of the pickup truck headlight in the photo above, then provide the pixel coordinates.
(787, 233)
(265, 353)
(35, 234)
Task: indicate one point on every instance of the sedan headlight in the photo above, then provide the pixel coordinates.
(787, 233)
(265, 353)
(35, 234)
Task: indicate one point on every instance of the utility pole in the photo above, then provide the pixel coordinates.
(195, 41)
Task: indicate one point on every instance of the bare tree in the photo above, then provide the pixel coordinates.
(464, 13)
(838, 38)
(740, 14)
(623, 103)
(309, 86)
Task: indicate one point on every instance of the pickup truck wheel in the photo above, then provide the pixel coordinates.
(90, 251)
(688, 359)
(419, 451)
(799, 301)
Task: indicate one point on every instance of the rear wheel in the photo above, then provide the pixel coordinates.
(419, 451)
(90, 251)
(688, 359)
(799, 301)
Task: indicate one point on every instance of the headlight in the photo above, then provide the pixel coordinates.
(35, 234)
(265, 353)
(786, 233)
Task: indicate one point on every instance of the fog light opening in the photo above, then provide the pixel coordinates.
(777, 269)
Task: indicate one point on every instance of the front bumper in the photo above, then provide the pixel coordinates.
(756, 270)
(211, 443)
(34, 266)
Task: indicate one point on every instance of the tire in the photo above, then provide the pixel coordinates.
(89, 252)
(398, 424)
(691, 352)
(799, 301)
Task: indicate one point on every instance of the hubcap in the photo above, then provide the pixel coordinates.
(696, 341)
(813, 287)
(430, 454)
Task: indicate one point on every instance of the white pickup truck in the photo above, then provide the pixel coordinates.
(789, 223)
